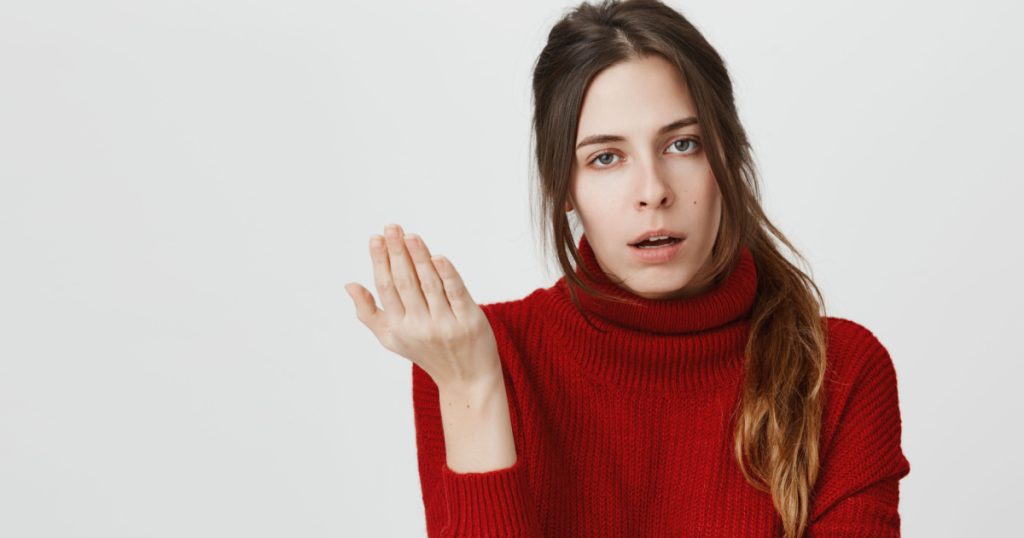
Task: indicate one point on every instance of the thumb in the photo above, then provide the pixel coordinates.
(366, 307)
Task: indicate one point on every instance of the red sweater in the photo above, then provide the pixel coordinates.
(628, 432)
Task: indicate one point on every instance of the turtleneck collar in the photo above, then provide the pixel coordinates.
(731, 299)
(671, 347)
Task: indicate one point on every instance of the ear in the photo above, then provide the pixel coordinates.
(568, 206)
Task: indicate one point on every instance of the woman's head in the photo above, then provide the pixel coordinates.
(628, 69)
(639, 165)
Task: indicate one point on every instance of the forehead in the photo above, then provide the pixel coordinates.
(635, 97)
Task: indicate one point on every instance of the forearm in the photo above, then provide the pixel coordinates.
(477, 425)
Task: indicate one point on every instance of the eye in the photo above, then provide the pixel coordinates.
(693, 143)
(604, 164)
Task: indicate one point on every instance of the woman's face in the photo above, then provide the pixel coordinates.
(638, 177)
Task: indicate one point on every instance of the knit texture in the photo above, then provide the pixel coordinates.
(626, 429)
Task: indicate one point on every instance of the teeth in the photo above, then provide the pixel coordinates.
(653, 238)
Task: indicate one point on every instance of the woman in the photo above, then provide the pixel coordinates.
(695, 386)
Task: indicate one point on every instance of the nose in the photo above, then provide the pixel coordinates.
(653, 188)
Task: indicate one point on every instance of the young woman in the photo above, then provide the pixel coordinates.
(682, 378)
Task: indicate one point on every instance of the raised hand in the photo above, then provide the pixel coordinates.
(428, 315)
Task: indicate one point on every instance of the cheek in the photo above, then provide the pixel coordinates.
(595, 198)
(703, 195)
(710, 196)
(710, 204)
(593, 209)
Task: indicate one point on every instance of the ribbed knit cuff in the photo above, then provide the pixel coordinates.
(493, 503)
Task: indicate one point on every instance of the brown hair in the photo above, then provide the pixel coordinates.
(778, 414)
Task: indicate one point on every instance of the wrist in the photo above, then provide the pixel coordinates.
(481, 380)
(479, 389)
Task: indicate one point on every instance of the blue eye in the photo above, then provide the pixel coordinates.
(599, 157)
(693, 143)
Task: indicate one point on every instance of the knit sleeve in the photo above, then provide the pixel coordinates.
(493, 503)
(857, 493)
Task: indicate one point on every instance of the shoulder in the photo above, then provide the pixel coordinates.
(862, 423)
(846, 332)
(855, 351)
(860, 382)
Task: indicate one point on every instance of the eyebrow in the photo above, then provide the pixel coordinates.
(602, 138)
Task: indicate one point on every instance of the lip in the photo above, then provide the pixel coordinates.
(655, 233)
(657, 254)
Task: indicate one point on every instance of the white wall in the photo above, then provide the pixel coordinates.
(185, 187)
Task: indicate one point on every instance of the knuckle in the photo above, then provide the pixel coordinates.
(431, 286)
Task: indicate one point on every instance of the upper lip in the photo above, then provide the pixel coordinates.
(656, 233)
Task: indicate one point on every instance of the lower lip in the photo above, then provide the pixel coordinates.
(658, 254)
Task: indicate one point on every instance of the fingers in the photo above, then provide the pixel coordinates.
(403, 273)
(382, 278)
(411, 281)
(455, 290)
(430, 282)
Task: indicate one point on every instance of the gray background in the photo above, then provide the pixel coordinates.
(185, 187)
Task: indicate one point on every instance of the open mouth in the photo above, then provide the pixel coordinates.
(656, 243)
